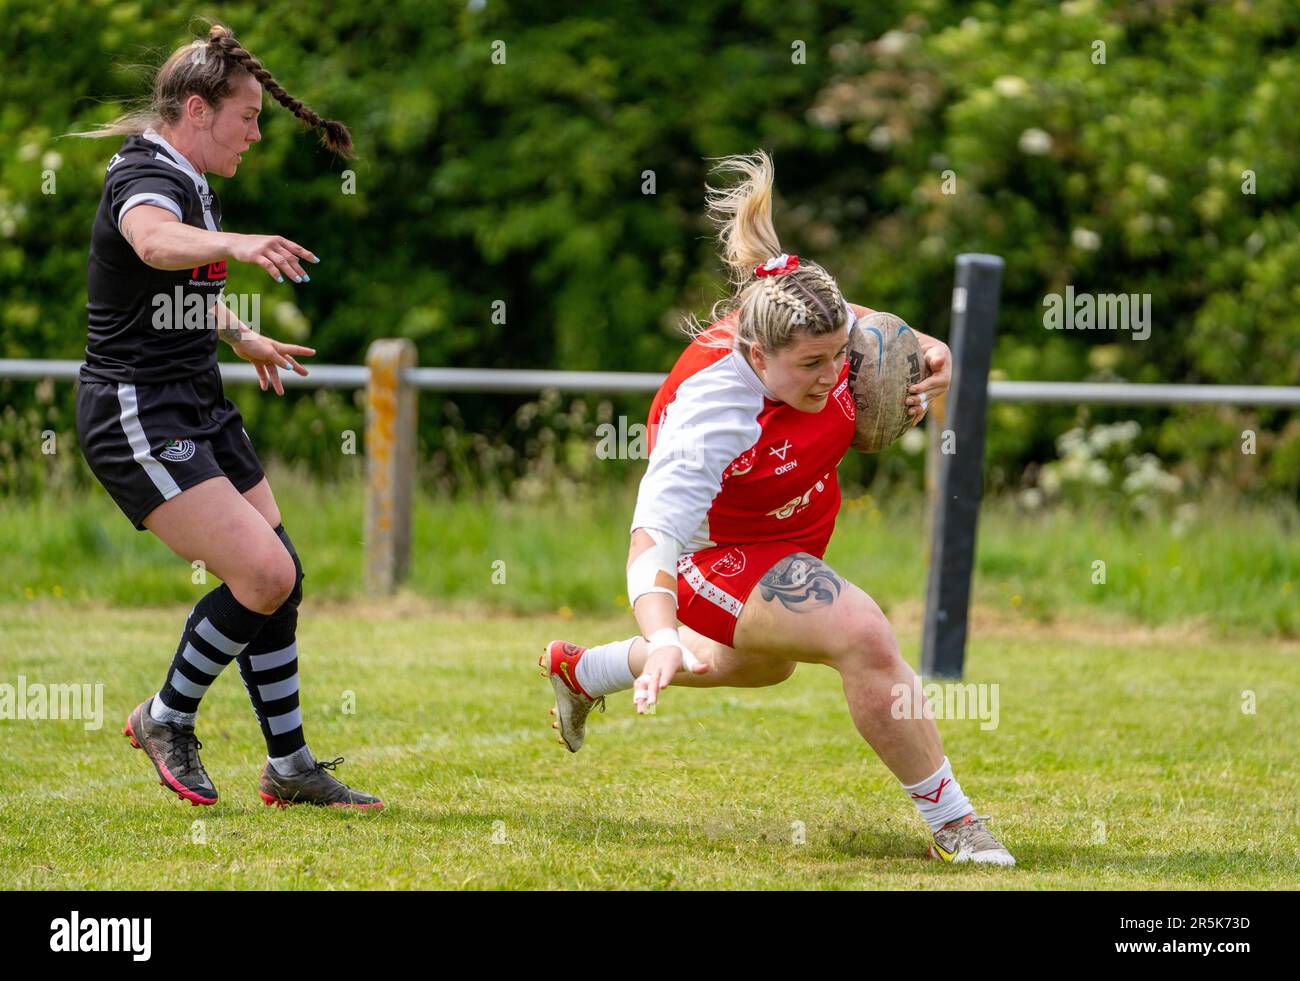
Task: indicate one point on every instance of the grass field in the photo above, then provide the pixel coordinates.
(1122, 759)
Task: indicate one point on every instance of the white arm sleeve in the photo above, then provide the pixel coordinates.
(148, 197)
(710, 422)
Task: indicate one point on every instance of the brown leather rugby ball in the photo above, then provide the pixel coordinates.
(884, 361)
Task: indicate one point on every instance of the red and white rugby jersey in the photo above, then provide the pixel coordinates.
(729, 464)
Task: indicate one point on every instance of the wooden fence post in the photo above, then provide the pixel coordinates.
(390, 464)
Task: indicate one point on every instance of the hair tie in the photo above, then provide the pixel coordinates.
(778, 265)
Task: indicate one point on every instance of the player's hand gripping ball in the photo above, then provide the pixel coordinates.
(884, 361)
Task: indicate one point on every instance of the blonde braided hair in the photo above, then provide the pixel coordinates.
(777, 296)
(769, 310)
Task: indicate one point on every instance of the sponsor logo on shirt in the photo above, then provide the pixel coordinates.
(780, 452)
(797, 504)
(212, 271)
(844, 397)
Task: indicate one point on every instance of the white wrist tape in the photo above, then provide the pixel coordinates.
(668, 637)
(664, 637)
(655, 569)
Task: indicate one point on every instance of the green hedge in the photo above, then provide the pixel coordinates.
(521, 183)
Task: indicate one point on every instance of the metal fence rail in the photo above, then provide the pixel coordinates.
(635, 382)
(1122, 393)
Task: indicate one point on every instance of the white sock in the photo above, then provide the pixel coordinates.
(939, 798)
(161, 713)
(604, 670)
(299, 761)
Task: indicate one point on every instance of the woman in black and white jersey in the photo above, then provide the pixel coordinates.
(157, 429)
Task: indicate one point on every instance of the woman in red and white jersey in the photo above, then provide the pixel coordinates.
(736, 510)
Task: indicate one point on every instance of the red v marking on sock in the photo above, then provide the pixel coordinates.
(933, 798)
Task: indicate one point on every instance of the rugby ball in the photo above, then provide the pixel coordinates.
(884, 360)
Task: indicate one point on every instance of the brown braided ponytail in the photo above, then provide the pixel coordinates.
(207, 68)
(334, 134)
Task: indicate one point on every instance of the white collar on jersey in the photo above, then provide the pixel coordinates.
(177, 159)
(751, 376)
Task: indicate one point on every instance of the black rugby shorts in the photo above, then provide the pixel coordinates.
(148, 442)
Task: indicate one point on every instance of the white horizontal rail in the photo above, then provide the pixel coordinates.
(500, 380)
(1122, 393)
(522, 381)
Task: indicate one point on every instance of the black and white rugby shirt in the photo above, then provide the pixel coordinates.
(146, 324)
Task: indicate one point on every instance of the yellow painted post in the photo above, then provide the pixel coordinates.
(390, 464)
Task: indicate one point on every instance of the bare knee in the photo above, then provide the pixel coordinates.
(265, 582)
(779, 672)
(866, 643)
(761, 674)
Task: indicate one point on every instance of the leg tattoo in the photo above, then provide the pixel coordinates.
(802, 583)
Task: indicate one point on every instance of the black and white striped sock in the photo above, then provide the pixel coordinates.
(269, 667)
(216, 632)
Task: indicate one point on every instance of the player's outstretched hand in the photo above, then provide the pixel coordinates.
(660, 667)
(268, 356)
(274, 253)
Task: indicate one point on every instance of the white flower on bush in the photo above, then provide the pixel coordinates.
(1085, 239)
(1157, 185)
(1089, 460)
(1098, 473)
(894, 42)
(1035, 142)
(1031, 498)
(1010, 86)
(1071, 441)
(1119, 435)
(1147, 476)
(913, 441)
(880, 138)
